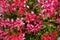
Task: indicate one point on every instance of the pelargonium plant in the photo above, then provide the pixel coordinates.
(29, 19)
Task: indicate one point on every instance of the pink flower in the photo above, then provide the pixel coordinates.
(1, 34)
(21, 11)
(12, 23)
(58, 18)
(21, 36)
(18, 23)
(3, 6)
(39, 1)
(34, 27)
(7, 22)
(31, 17)
(1, 22)
(49, 7)
(17, 4)
(23, 3)
(4, 35)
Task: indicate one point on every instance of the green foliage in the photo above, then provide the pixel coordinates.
(13, 15)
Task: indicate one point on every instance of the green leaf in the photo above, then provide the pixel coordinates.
(6, 29)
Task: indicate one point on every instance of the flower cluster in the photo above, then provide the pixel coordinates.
(3, 6)
(49, 7)
(11, 23)
(29, 19)
(12, 5)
